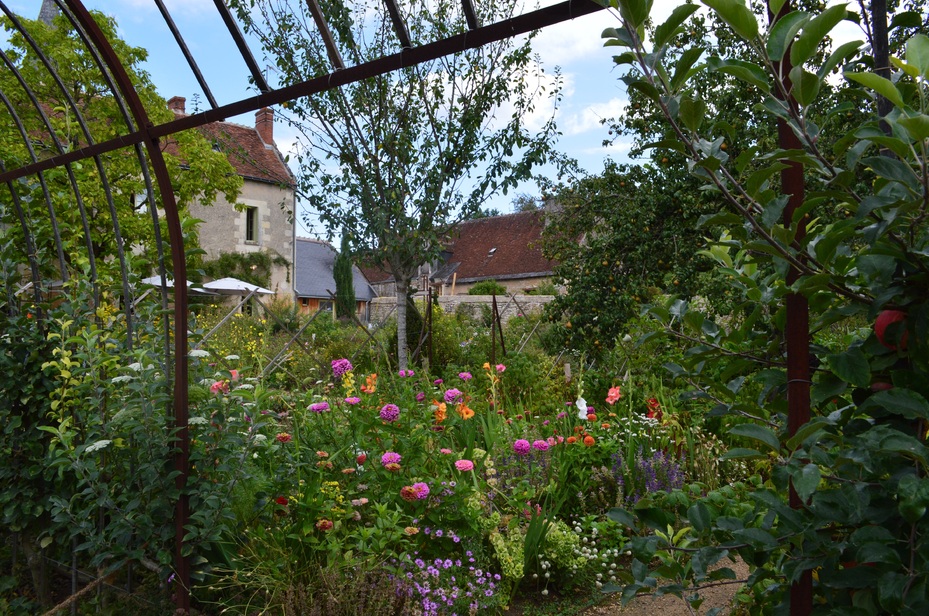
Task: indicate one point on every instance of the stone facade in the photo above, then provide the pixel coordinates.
(382, 308)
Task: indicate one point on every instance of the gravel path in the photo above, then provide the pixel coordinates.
(669, 605)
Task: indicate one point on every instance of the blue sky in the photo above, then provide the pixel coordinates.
(592, 90)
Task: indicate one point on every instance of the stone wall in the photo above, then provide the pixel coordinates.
(509, 306)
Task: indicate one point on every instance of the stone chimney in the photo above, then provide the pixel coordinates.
(177, 104)
(48, 12)
(264, 124)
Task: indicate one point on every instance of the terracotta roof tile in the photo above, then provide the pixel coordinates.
(498, 247)
(251, 157)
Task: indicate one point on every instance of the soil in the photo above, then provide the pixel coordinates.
(720, 596)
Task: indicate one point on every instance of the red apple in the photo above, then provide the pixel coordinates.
(883, 321)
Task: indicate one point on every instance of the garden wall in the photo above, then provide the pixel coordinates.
(509, 306)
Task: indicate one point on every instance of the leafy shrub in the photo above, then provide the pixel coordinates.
(487, 287)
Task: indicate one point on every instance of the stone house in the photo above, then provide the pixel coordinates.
(263, 218)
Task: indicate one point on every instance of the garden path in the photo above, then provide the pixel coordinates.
(669, 605)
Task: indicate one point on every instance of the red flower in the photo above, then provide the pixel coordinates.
(284, 437)
(361, 459)
(324, 525)
(281, 500)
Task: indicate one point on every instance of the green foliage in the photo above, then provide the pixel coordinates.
(204, 174)
(391, 157)
(620, 238)
(487, 287)
(344, 281)
(854, 246)
(252, 267)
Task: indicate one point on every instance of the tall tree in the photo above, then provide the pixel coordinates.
(401, 158)
(198, 172)
(344, 281)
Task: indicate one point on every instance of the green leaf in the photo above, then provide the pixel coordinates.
(635, 11)
(746, 71)
(917, 126)
(755, 537)
(758, 433)
(692, 113)
(895, 170)
(684, 70)
(738, 16)
(700, 517)
(666, 31)
(805, 85)
(805, 431)
(879, 84)
(622, 517)
(784, 32)
(904, 402)
(814, 32)
(838, 56)
(851, 366)
(917, 54)
(806, 480)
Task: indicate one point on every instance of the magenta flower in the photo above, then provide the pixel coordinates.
(340, 367)
(406, 373)
(445, 451)
(319, 407)
(421, 489)
(465, 376)
(437, 382)
(453, 396)
(353, 400)
(464, 465)
(540, 445)
(420, 397)
(390, 457)
(521, 447)
(500, 367)
(390, 412)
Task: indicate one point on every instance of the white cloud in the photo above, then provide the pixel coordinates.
(589, 118)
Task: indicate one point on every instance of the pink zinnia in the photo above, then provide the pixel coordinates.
(353, 400)
(445, 451)
(319, 407)
(521, 447)
(421, 489)
(284, 437)
(390, 457)
(465, 376)
(390, 412)
(464, 465)
(453, 396)
(540, 445)
(340, 367)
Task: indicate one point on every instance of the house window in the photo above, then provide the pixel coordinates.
(325, 305)
(305, 301)
(251, 224)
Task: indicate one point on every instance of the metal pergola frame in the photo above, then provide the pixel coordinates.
(145, 137)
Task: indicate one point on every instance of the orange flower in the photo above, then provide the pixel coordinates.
(577, 429)
(605, 426)
(464, 411)
(591, 417)
(572, 440)
(588, 440)
(440, 411)
(370, 385)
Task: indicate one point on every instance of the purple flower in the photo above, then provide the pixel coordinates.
(420, 397)
(406, 373)
(319, 407)
(340, 367)
(390, 458)
(540, 445)
(453, 396)
(390, 412)
(437, 382)
(521, 447)
(422, 491)
(465, 376)
(353, 400)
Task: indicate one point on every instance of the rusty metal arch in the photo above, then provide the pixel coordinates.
(144, 137)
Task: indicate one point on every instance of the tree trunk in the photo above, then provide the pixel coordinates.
(403, 285)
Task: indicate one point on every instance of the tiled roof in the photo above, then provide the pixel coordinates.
(313, 264)
(252, 158)
(497, 247)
